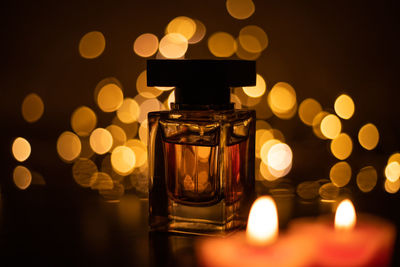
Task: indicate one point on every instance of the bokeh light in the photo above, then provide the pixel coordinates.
(199, 34)
(308, 109)
(83, 170)
(253, 39)
(173, 45)
(143, 89)
(110, 97)
(245, 99)
(262, 136)
(329, 191)
(342, 146)
(368, 136)
(182, 25)
(280, 157)
(222, 44)
(257, 90)
(83, 121)
(367, 178)
(123, 160)
(32, 108)
(265, 148)
(394, 157)
(86, 150)
(308, 190)
(92, 45)
(128, 112)
(130, 129)
(344, 106)
(147, 106)
(392, 171)
(316, 124)
(21, 149)
(118, 135)
(244, 54)
(331, 126)
(340, 174)
(140, 150)
(101, 181)
(68, 146)
(22, 177)
(144, 131)
(282, 100)
(101, 141)
(392, 187)
(145, 45)
(240, 9)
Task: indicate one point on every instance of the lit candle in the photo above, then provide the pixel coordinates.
(259, 245)
(353, 240)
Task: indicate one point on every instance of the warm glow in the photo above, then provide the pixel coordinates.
(101, 141)
(199, 34)
(130, 129)
(83, 171)
(265, 173)
(123, 160)
(368, 136)
(236, 100)
(308, 109)
(344, 107)
(308, 189)
(280, 157)
(83, 121)
(394, 157)
(392, 187)
(101, 181)
(147, 106)
(282, 100)
(143, 89)
(222, 44)
(316, 124)
(331, 126)
(262, 226)
(92, 45)
(262, 136)
(342, 146)
(32, 108)
(68, 146)
(21, 149)
(128, 112)
(140, 150)
(257, 90)
(110, 97)
(22, 177)
(340, 174)
(345, 217)
(367, 178)
(265, 148)
(145, 45)
(173, 45)
(392, 171)
(328, 191)
(144, 131)
(182, 25)
(244, 54)
(118, 135)
(240, 9)
(253, 39)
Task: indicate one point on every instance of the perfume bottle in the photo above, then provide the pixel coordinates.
(201, 152)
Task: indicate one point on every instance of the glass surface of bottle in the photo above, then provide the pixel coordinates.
(201, 160)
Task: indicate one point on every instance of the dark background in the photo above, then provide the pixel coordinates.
(322, 48)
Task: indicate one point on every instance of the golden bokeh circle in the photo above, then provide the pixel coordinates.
(257, 90)
(392, 187)
(101, 141)
(316, 124)
(368, 136)
(392, 171)
(199, 34)
(342, 146)
(340, 174)
(83, 121)
(68, 146)
(140, 150)
(329, 191)
(118, 135)
(123, 160)
(394, 157)
(182, 25)
(83, 170)
(331, 126)
(222, 44)
(173, 45)
(344, 106)
(21, 149)
(22, 177)
(145, 45)
(308, 109)
(308, 190)
(143, 89)
(32, 107)
(110, 97)
(128, 112)
(253, 39)
(92, 45)
(101, 181)
(240, 9)
(366, 179)
(282, 99)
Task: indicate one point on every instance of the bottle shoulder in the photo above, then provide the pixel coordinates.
(204, 115)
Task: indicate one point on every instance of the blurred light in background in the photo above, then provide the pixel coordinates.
(110, 97)
(173, 45)
(83, 121)
(21, 149)
(282, 100)
(366, 179)
(123, 160)
(140, 150)
(92, 45)
(101, 141)
(146, 45)
(130, 129)
(392, 187)
(144, 131)
(143, 89)
(340, 174)
(253, 39)
(244, 54)
(308, 190)
(118, 135)
(101, 180)
(222, 44)
(280, 157)
(240, 9)
(147, 106)
(342, 146)
(316, 124)
(83, 171)
(392, 171)
(308, 109)
(199, 34)
(22, 177)
(257, 90)
(329, 191)
(128, 112)
(182, 25)
(32, 108)
(344, 107)
(368, 136)
(68, 146)
(331, 126)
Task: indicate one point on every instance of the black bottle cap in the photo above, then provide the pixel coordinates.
(201, 83)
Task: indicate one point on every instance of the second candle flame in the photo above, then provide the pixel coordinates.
(262, 226)
(345, 217)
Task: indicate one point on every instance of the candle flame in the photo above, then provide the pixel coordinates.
(262, 226)
(345, 217)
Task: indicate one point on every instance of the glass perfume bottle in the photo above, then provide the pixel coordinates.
(201, 152)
